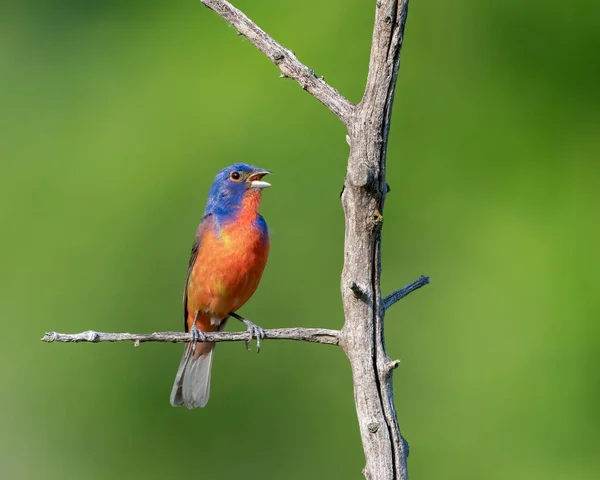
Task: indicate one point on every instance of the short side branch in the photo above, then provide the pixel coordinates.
(403, 292)
(313, 335)
(285, 59)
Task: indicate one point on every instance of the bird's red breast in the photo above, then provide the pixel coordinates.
(228, 267)
(226, 263)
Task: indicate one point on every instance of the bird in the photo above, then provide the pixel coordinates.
(226, 264)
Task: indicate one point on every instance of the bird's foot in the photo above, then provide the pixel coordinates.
(255, 331)
(197, 336)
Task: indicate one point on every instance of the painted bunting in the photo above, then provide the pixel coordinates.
(228, 257)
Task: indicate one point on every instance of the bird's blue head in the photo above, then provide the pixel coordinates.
(231, 186)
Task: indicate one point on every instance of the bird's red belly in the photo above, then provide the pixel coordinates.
(226, 273)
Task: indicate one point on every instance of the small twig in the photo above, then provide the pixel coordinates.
(403, 292)
(313, 335)
(285, 59)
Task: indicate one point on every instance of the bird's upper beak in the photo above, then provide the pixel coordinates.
(256, 181)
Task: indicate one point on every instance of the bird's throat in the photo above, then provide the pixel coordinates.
(249, 210)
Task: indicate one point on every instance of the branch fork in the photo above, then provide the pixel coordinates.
(363, 197)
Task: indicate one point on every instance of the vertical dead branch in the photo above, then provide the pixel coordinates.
(363, 197)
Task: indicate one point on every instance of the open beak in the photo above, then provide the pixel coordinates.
(256, 181)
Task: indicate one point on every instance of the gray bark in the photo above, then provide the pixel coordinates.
(363, 197)
(313, 335)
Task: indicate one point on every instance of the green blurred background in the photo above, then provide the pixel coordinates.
(115, 116)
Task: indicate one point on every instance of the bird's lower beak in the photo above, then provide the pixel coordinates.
(256, 181)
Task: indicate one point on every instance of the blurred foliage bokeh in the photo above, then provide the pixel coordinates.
(114, 118)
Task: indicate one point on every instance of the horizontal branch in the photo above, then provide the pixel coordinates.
(403, 292)
(285, 59)
(313, 335)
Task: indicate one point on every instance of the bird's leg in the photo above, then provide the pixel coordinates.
(197, 334)
(253, 329)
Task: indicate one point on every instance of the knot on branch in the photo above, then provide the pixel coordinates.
(377, 219)
(357, 290)
(359, 293)
(391, 366)
(373, 427)
(361, 177)
(92, 336)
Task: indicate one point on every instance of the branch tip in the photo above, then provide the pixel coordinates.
(405, 291)
(49, 337)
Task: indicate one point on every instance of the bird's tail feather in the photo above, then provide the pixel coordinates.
(192, 382)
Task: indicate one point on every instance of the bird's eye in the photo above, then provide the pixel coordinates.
(235, 176)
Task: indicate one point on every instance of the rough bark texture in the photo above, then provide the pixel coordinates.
(363, 197)
(365, 188)
(313, 335)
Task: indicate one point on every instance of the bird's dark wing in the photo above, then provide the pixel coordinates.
(194, 253)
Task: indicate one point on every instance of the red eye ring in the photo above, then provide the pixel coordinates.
(235, 176)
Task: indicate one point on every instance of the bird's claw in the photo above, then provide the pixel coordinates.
(197, 336)
(254, 331)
